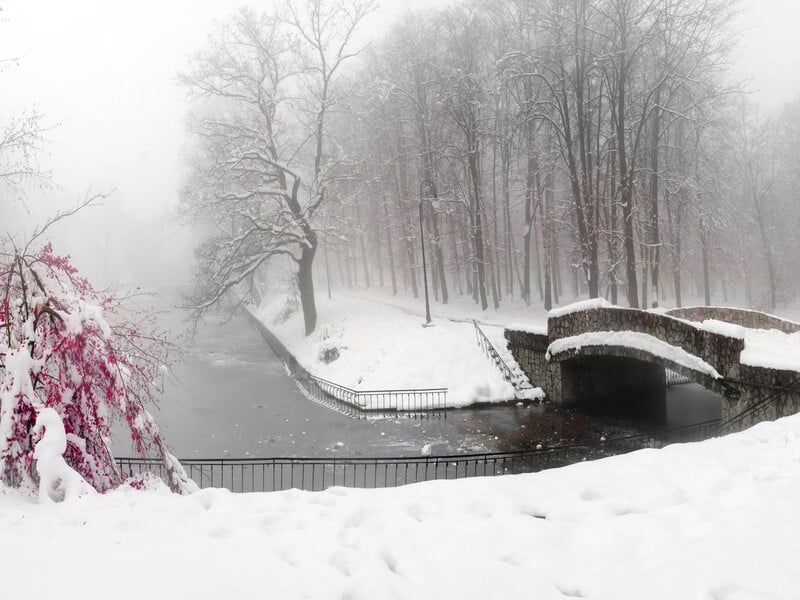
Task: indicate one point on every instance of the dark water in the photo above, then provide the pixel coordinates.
(231, 397)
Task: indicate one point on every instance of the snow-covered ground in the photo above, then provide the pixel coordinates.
(512, 313)
(771, 348)
(384, 347)
(714, 520)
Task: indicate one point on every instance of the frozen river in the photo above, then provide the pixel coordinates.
(231, 397)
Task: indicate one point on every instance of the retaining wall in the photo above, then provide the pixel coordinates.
(529, 351)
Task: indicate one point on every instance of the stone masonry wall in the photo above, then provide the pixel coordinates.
(529, 351)
(772, 393)
(720, 351)
(756, 392)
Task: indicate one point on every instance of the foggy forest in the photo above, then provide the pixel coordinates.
(564, 149)
(400, 299)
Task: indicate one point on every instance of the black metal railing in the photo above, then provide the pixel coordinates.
(315, 474)
(673, 378)
(375, 403)
(517, 379)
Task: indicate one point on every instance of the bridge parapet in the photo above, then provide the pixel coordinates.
(608, 368)
(743, 317)
(719, 350)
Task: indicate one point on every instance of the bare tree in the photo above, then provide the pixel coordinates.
(264, 90)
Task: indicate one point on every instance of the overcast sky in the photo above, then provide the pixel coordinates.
(104, 72)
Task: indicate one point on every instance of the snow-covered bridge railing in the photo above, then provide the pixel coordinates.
(717, 349)
(523, 390)
(605, 354)
(316, 474)
(752, 319)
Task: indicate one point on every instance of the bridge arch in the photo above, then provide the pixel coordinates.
(580, 354)
(639, 355)
(714, 348)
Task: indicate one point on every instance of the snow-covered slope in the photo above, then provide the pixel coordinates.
(715, 520)
(382, 347)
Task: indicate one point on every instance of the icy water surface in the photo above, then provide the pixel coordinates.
(231, 397)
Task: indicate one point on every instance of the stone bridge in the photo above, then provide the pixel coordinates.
(614, 359)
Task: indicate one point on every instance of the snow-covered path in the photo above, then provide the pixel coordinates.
(715, 520)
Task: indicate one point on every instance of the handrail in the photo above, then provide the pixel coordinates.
(517, 380)
(398, 390)
(675, 378)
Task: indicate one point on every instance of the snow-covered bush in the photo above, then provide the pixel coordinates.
(328, 350)
(67, 347)
(287, 310)
(328, 353)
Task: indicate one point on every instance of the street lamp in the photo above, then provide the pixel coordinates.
(435, 203)
(428, 322)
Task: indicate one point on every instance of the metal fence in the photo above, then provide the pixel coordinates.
(412, 401)
(315, 474)
(674, 378)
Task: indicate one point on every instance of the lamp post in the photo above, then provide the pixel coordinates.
(428, 322)
(435, 202)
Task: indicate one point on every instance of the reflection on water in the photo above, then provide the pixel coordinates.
(231, 397)
(691, 403)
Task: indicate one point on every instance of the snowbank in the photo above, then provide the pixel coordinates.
(579, 306)
(366, 345)
(716, 520)
(772, 349)
(57, 480)
(722, 328)
(637, 341)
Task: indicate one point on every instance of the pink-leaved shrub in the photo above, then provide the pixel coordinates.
(67, 347)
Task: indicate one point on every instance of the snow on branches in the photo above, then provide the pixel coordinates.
(79, 356)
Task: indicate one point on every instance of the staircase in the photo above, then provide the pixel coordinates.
(523, 390)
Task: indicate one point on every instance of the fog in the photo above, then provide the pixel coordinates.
(104, 76)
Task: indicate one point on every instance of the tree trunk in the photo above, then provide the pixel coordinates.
(544, 208)
(473, 161)
(305, 283)
(704, 248)
(389, 247)
(362, 242)
(530, 184)
(773, 284)
(492, 278)
(625, 175)
(654, 231)
(327, 272)
(506, 167)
